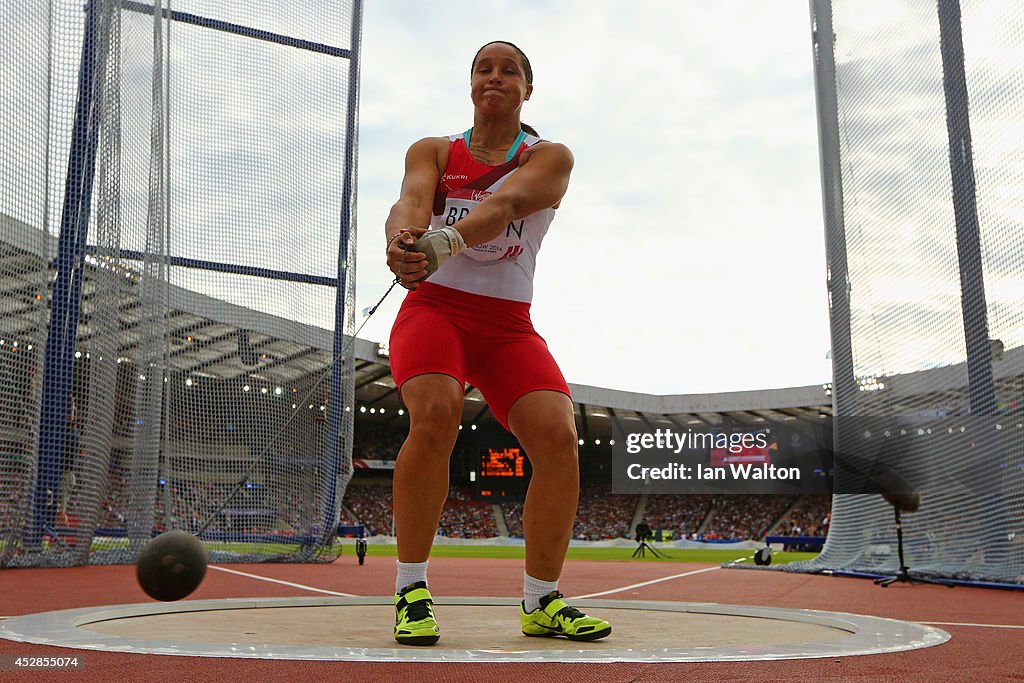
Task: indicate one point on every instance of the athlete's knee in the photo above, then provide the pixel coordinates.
(437, 410)
(554, 437)
(563, 433)
(435, 419)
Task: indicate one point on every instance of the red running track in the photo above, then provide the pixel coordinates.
(975, 653)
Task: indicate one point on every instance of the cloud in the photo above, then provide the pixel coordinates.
(695, 182)
(900, 223)
(688, 254)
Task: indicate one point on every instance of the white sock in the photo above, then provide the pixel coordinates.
(534, 590)
(410, 572)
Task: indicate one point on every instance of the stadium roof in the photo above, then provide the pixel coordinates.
(208, 338)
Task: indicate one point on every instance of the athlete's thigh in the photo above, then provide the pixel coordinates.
(512, 368)
(425, 341)
(543, 421)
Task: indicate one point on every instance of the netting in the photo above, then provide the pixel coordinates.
(921, 117)
(177, 262)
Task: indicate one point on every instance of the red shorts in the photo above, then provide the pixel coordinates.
(485, 341)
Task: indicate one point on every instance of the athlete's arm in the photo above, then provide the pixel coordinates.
(539, 183)
(411, 213)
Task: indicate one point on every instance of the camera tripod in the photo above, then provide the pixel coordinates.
(904, 575)
(644, 547)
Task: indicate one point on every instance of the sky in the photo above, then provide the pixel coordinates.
(688, 254)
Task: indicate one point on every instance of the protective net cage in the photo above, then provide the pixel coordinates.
(921, 116)
(177, 244)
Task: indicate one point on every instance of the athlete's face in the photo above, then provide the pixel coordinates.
(499, 80)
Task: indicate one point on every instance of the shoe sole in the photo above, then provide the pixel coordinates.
(417, 640)
(586, 636)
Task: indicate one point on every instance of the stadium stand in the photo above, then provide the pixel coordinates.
(370, 502)
(680, 516)
(744, 517)
(809, 517)
(601, 515)
(463, 517)
(376, 441)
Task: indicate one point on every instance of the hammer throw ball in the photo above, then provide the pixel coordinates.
(172, 565)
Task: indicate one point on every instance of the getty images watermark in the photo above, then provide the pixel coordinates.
(698, 461)
(848, 455)
(744, 449)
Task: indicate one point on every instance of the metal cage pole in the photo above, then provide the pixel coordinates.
(845, 393)
(844, 384)
(984, 461)
(965, 209)
(66, 299)
(342, 371)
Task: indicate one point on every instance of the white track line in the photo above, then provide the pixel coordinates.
(283, 583)
(648, 583)
(958, 623)
(588, 595)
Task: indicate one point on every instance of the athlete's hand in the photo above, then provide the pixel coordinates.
(409, 266)
(438, 246)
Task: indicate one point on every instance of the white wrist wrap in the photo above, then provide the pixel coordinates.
(455, 241)
(439, 246)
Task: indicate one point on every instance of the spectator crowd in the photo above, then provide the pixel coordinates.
(274, 503)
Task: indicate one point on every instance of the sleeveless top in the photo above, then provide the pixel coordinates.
(503, 267)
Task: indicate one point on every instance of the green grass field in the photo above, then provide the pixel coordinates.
(346, 547)
(605, 554)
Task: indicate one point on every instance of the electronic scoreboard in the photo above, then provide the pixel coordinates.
(504, 471)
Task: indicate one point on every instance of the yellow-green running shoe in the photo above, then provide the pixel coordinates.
(555, 618)
(414, 616)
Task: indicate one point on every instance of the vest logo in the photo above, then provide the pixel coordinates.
(450, 180)
(479, 195)
(512, 252)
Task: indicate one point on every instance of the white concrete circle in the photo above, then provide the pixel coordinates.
(358, 629)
